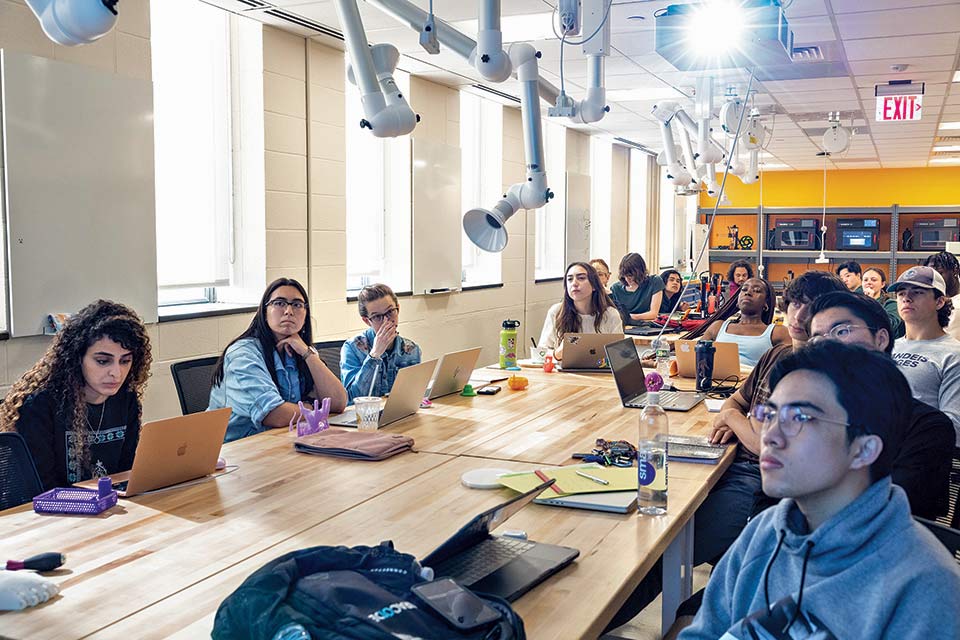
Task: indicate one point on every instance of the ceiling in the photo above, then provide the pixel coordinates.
(924, 35)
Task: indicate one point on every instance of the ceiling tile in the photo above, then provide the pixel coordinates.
(800, 8)
(938, 44)
(900, 22)
(928, 77)
(915, 65)
(812, 29)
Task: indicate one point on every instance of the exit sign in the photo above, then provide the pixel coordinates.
(898, 108)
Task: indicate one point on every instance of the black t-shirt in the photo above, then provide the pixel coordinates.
(53, 442)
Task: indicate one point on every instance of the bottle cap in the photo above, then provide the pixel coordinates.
(104, 486)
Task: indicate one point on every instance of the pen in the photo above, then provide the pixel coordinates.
(590, 477)
(543, 476)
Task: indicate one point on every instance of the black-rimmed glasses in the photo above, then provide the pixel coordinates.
(380, 317)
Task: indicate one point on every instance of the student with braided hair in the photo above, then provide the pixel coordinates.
(79, 407)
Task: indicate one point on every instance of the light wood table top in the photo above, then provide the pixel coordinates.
(616, 551)
(159, 565)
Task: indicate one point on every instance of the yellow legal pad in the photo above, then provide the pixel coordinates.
(620, 479)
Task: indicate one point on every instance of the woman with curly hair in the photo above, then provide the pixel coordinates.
(270, 367)
(79, 407)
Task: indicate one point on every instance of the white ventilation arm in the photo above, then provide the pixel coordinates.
(75, 22)
(386, 112)
(753, 168)
(675, 171)
(488, 56)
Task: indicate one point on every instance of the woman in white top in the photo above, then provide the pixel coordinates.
(754, 331)
(585, 308)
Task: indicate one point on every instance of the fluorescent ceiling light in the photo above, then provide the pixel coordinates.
(521, 28)
(949, 147)
(950, 125)
(633, 95)
(774, 165)
(956, 76)
(945, 160)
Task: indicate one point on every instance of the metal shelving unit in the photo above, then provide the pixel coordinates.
(760, 254)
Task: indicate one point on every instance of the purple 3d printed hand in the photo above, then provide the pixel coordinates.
(310, 421)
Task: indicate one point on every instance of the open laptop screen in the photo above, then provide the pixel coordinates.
(627, 370)
(479, 527)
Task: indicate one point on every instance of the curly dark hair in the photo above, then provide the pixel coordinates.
(60, 370)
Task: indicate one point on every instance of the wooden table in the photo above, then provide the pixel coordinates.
(157, 566)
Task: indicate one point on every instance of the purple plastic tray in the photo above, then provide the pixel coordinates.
(74, 501)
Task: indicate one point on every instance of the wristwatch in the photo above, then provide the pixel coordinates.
(311, 351)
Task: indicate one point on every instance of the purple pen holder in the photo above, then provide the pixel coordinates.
(76, 501)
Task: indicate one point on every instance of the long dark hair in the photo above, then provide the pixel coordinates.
(60, 370)
(260, 330)
(568, 320)
(668, 299)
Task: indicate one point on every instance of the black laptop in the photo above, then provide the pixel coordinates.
(629, 376)
(506, 567)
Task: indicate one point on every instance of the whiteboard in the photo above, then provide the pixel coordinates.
(79, 189)
(437, 247)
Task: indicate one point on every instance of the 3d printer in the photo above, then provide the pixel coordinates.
(795, 233)
(933, 235)
(858, 234)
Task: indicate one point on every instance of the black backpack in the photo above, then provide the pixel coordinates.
(341, 593)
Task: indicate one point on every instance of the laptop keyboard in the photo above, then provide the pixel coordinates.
(483, 559)
(666, 397)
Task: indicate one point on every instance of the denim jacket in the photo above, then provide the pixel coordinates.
(357, 367)
(248, 389)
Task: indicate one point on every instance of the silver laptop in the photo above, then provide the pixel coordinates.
(610, 501)
(585, 351)
(404, 399)
(172, 451)
(629, 376)
(454, 371)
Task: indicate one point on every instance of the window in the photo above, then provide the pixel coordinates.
(601, 178)
(481, 145)
(551, 220)
(638, 205)
(208, 139)
(378, 202)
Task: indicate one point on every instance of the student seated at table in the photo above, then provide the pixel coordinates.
(637, 294)
(840, 556)
(585, 308)
(874, 285)
(672, 289)
(738, 273)
(754, 331)
(921, 467)
(928, 356)
(371, 359)
(79, 407)
(266, 370)
(850, 273)
(946, 264)
(603, 272)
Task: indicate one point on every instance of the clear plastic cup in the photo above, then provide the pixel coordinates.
(367, 409)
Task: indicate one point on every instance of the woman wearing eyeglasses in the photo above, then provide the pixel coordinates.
(371, 360)
(271, 366)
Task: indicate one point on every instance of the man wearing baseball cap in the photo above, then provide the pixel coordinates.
(928, 357)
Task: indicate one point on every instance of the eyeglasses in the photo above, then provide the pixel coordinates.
(281, 304)
(380, 317)
(840, 332)
(791, 418)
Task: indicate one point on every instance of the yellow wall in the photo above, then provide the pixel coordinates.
(932, 186)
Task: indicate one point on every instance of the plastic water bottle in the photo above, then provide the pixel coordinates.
(661, 350)
(652, 452)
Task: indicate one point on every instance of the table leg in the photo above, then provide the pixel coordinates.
(677, 575)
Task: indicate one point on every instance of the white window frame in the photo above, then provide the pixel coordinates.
(481, 180)
(378, 200)
(601, 196)
(235, 231)
(551, 220)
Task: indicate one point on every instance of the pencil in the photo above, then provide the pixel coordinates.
(543, 476)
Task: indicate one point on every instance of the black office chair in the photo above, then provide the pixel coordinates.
(193, 380)
(952, 517)
(19, 480)
(330, 354)
(948, 536)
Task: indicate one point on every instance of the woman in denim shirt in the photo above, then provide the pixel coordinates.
(379, 351)
(273, 365)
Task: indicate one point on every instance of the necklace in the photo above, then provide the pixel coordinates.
(99, 469)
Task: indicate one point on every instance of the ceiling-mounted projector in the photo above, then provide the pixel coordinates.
(722, 34)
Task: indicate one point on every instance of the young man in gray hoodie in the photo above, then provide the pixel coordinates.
(840, 556)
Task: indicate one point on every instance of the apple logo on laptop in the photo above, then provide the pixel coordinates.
(182, 449)
(456, 373)
(593, 352)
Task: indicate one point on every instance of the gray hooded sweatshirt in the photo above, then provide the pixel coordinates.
(870, 571)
